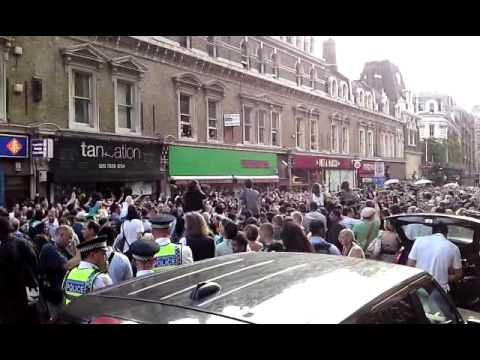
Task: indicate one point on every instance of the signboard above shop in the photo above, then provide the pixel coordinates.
(13, 146)
(96, 160)
(317, 162)
(231, 119)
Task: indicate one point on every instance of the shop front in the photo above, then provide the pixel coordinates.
(366, 174)
(221, 167)
(104, 165)
(329, 171)
(14, 169)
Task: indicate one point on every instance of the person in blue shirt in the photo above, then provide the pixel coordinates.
(317, 229)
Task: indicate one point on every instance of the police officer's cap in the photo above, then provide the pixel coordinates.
(100, 242)
(144, 250)
(162, 221)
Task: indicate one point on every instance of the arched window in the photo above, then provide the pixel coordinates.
(345, 91)
(369, 101)
(211, 48)
(360, 97)
(334, 92)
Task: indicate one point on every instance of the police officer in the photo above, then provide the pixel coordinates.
(169, 254)
(90, 274)
(143, 253)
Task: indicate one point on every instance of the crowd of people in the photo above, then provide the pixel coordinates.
(51, 253)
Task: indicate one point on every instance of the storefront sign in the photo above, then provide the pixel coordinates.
(13, 146)
(379, 181)
(197, 161)
(316, 162)
(231, 119)
(367, 169)
(98, 160)
(379, 169)
(42, 148)
(255, 164)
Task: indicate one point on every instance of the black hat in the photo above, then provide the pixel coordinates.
(144, 250)
(162, 221)
(100, 242)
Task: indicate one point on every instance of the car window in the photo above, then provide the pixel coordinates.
(398, 311)
(455, 233)
(436, 307)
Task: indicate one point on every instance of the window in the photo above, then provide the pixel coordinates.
(247, 124)
(211, 46)
(261, 127)
(125, 114)
(369, 101)
(307, 44)
(313, 135)
(431, 107)
(82, 97)
(345, 140)
(185, 106)
(392, 146)
(275, 68)
(334, 137)
(435, 306)
(362, 142)
(259, 60)
(370, 143)
(334, 88)
(243, 50)
(396, 311)
(275, 126)
(299, 133)
(213, 122)
(345, 92)
(432, 130)
(289, 40)
(361, 98)
(185, 41)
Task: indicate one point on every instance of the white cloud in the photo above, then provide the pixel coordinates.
(448, 64)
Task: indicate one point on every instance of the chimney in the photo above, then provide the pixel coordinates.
(330, 54)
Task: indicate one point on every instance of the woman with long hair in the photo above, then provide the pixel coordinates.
(317, 195)
(294, 239)
(196, 237)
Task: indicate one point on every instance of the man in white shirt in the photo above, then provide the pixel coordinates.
(438, 256)
(348, 221)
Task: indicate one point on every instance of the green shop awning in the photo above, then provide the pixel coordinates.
(185, 161)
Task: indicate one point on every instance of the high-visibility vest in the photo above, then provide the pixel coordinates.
(167, 257)
(78, 282)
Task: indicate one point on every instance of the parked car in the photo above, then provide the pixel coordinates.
(463, 232)
(273, 288)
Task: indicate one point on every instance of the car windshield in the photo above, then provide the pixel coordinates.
(455, 233)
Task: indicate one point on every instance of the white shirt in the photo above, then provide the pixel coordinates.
(119, 269)
(349, 222)
(131, 229)
(102, 280)
(187, 256)
(147, 225)
(435, 255)
(224, 248)
(141, 273)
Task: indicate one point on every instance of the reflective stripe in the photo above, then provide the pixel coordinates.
(78, 282)
(168, 255)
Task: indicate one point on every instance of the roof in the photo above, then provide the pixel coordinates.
(258, 288)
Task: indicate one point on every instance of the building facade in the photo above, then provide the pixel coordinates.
(447, 133)
(140, 110)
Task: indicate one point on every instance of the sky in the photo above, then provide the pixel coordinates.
(447, 64)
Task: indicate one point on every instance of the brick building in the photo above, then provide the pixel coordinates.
(139, 110)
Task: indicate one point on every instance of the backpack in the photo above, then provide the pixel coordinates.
(323, 248)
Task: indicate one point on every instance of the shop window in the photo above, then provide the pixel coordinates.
(362, 142)
(213, 120)
(247, 124)
(334, 137)
(275, 128)
(314, 135)
(185, 115)
(299, 133)
(345, 140)
(261, 127)
(370, 143)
